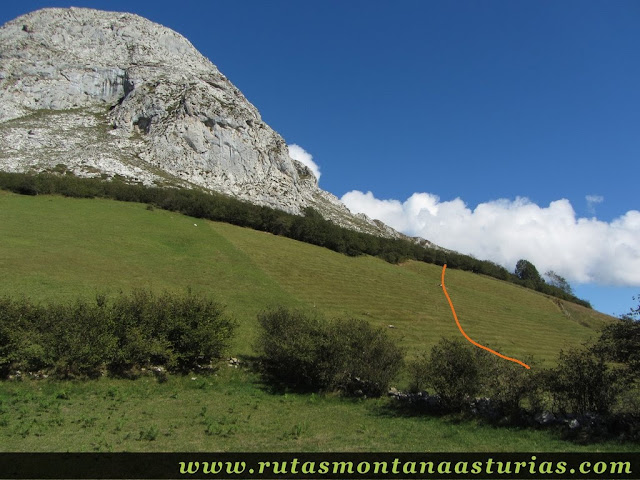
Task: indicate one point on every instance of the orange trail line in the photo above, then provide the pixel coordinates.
(467, 336)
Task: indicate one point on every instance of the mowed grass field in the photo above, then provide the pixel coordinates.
(56, 249)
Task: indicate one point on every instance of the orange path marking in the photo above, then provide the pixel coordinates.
(467, 336)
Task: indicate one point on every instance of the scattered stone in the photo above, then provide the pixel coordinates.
(545, 418)
(433, 402)
(160, 373)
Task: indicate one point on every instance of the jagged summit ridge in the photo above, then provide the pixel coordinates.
(114, 94)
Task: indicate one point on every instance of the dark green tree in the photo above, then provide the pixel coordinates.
(634, 313)
(620, 342)
(582, 383)
(558, 281)
(526, 271)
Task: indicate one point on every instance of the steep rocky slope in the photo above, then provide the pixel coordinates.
(113, 94)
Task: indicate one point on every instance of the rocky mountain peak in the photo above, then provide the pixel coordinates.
(113, 94)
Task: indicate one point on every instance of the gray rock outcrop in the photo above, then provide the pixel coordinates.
(113, 94)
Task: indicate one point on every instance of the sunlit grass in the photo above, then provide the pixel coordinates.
(232, 412)
(58, 249)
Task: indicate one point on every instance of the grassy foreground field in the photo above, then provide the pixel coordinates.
(58, 249)
(231, 412)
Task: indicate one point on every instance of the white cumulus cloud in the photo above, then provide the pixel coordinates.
(580, 249)
(298, 153)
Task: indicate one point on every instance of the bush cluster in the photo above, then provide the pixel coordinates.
(306, 352)
(582, 383)
(120, 335)
(458, 372)
(600, 379)
(310, 228)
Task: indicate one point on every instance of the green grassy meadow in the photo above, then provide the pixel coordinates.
(58, 249)
(232, 412)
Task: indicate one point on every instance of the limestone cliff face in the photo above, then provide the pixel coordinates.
(108, 94)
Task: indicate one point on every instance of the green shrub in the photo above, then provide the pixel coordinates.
(178, 332)
(21, 344)
(370, 359)
(505, 382)
(295, 350)
(79, 337)
(83, 339)
(620, 342)
(453, 372)
(582, 383)
(458, 371)
(138, 327)
(9, 335)
(306, 352)
(198, 332)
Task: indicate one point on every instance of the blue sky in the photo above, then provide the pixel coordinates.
(504, 129)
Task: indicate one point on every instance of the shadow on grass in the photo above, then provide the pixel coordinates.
(579, 430)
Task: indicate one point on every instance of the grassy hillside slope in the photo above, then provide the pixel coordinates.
(56, 248)
(59, 249)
